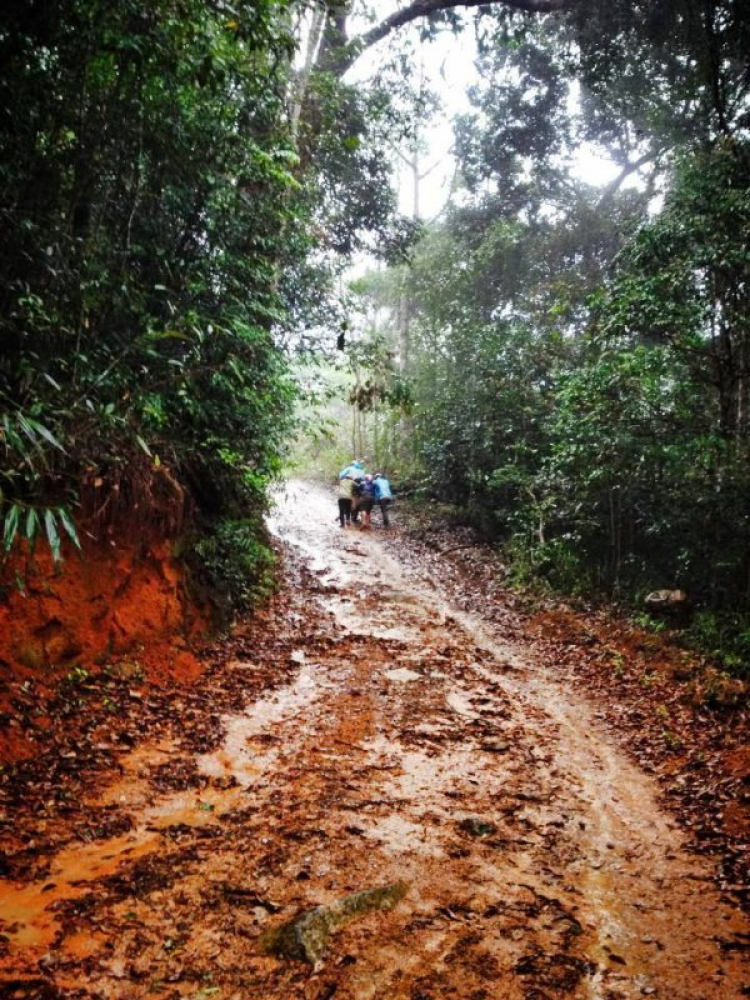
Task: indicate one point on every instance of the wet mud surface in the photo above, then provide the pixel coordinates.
(364, 733)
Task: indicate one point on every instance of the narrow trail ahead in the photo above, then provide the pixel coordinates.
(403, 742)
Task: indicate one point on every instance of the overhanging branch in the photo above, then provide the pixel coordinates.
(349, 53)
(629, 168)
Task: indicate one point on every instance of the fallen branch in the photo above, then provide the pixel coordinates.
(457, 548)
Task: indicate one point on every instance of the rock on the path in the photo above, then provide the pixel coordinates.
(667, 601)
(477, 827)
(306, 936)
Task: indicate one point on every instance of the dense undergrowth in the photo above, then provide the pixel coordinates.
(721, 637)
(569, 364)
(147, 208)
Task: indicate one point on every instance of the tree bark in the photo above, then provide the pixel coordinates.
(299, 87)
(338, 52)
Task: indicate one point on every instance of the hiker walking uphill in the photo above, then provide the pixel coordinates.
(355, 471)
(346, 492)
(383, 495)
(360, 491)
(367, 498)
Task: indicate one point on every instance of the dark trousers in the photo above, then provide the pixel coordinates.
(345, 510)
(384, 504)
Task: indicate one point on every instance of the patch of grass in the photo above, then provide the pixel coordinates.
(723, 636)
(647, 622)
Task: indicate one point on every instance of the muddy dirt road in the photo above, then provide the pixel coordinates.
(378, 738)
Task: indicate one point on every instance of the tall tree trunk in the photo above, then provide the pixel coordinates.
(300, 84)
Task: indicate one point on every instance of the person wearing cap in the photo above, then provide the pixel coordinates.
(383, 496)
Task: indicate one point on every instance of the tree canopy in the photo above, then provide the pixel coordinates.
(184, 187)
(576, 358)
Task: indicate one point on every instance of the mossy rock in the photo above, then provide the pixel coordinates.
(306, 937)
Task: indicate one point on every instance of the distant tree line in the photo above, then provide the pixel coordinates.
(578, 358)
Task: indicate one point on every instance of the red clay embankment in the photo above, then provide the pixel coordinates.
(122, 602)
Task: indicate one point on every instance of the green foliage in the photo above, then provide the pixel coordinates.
(725, 637)
(561, 564)
(683, 279)
(652, 436)
(25, 524)
(348, 186)
(677, 70)
(233, 565)
(520, 114)
(578, 360)
(146, 192)
(648, 622)
(378, 379)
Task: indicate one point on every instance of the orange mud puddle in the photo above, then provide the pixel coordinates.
(408, 743)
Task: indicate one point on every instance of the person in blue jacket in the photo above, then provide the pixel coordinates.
(355, 470)
(383, 495)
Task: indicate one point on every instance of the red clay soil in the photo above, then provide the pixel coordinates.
(394, 717)
(679, 717)
(121, 602)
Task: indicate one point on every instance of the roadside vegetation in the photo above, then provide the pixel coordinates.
(148, 205)
(568, 366)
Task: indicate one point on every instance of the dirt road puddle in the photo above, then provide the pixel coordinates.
(402, 743)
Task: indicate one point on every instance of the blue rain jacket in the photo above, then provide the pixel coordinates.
(383, 489)
(354, 471)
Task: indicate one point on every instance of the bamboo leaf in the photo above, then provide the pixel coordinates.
(32, 526)
(10, 528)
(143, 445)
(11, 435)
(46, 434)
(27, 429)
(53, 535)
(69, 526)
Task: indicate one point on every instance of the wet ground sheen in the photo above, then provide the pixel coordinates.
(378, 736)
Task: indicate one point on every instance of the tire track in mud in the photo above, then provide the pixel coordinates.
(404, 743)
(648, 919)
